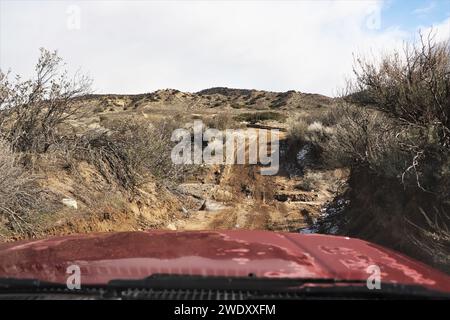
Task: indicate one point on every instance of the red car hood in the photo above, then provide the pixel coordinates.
(135, 255)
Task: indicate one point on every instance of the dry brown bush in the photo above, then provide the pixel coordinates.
(31, 110)
(297, 127)
(397, 118)
(20, 195)
(413, 88)
(434, 237)
(221, 121)
(392, 129)
(311, 130)
(364, 137)
(131, 153)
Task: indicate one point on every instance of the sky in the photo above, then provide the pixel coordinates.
(142, 46)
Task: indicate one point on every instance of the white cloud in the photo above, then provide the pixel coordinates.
(425, 10)
(441, 31)
(142, 46)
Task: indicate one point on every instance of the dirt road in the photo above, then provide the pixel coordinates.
(239, 197)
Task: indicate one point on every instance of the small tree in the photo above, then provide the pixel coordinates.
(31, 110)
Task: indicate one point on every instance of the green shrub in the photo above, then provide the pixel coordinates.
(260, 116)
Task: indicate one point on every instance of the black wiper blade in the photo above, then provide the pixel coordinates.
(387, 291)
(261, 286)
(257, 288)
(19, 283)
(170, 281)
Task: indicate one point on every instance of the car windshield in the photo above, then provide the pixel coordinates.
(257, 149)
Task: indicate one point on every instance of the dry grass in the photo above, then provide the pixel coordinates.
(20, 195)
(305, 129)
(221, 121)
(297, 128)
(434, 237)
(131, 153)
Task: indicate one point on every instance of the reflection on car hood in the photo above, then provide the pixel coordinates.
(135, 255)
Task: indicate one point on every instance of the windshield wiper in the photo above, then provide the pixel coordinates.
(18, 283)
(255, 287)
(267, 286)
(170, 281)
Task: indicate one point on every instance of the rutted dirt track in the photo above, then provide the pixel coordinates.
(239, 197)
